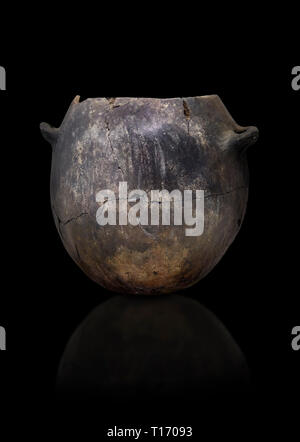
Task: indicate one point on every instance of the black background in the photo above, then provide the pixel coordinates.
(253, 290)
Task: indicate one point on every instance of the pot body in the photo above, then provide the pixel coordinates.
(150, 144)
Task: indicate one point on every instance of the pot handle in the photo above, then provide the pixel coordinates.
(241, 138)
(50, 133)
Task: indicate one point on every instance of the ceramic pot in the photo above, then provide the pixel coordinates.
(148, 144)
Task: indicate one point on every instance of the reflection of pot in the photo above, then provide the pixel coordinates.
(152, 144)
(164, 346)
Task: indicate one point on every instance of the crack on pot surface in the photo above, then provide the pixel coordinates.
(187, 114)
(186, 110)
(74, 218)
(150, 201)
(111, 100)
(111, 147)
(225, 193)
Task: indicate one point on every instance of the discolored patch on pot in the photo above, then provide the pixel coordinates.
(148, 270)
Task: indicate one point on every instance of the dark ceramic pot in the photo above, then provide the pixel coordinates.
(151, 144)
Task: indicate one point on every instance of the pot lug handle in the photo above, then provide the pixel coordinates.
(242, 138)
(50, 133)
